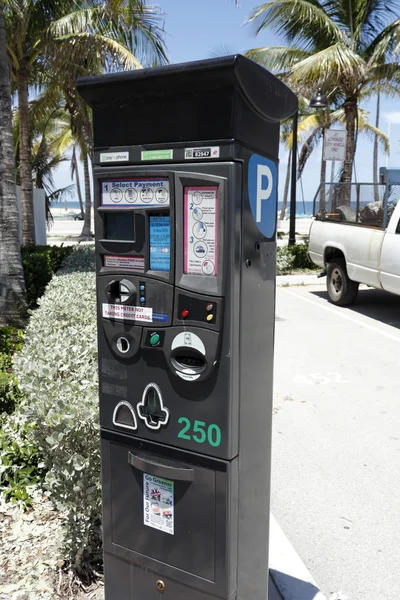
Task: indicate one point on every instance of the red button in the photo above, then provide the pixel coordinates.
(210, 306)
(184, 313)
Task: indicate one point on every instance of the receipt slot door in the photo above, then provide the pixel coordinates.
(185, 180)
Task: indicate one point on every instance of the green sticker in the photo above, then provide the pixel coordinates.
(157, 154)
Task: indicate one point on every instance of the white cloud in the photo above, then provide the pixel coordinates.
(392, 117)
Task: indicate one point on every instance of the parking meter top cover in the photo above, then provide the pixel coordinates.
(200, 100)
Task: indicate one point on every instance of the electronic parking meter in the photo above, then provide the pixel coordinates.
(185, 180)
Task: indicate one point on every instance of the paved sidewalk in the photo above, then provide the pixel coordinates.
(305, 279)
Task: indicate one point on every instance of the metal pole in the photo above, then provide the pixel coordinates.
(292, 218)
(330, 209)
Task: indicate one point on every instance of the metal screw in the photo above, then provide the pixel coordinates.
(160, 585)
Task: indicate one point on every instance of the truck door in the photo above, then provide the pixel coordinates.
(390, 255)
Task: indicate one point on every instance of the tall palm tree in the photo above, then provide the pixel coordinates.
(43, 38)
(47, 132)
(312, 130)
(340, 46)
(12, 286)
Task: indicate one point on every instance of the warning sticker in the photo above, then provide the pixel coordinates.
(158, 503)
(128, 313)
(201, 230)
(133, 263)
(135, 192)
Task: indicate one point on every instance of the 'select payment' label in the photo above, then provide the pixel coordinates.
(135, 192)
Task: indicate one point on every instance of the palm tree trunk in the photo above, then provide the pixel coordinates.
(12, 285)
(88, 204)
(375, 167)
(78, 183)
(28, 222)
(350, 108)
(286, 190)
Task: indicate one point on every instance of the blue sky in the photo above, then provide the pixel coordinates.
(198, 29)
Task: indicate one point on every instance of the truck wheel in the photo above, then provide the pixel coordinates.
(341, 290)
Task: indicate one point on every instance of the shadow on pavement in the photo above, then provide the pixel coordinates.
(291, 588)
(376, 304)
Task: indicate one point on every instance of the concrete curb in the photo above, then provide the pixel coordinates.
(306, 279)
(291, 576)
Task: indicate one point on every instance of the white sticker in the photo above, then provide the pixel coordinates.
(135, 192)
(128, 313)
(204, 152)
(201, 230)
(107, 157)
(134, 263)
(158, 503)
(188, 339)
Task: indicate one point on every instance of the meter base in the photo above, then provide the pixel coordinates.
(125, 581)
(168, 515)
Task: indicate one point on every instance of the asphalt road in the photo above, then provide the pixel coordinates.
(336, 439)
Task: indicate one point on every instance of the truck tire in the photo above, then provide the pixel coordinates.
(342, 291)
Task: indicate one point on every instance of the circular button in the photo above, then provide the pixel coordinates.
(210, 317)
(142, 288)
(154, 339)
(184, 313)
(142, 299)
(210, 306)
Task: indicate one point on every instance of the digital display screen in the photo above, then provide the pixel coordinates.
(119, 226)
(160, 243)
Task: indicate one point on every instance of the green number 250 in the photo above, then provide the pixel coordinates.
(199, 434)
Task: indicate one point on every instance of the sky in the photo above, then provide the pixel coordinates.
(201, 29)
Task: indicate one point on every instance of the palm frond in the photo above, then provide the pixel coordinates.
(307, 149)
(277, 58)
(386, 41)
(371, 131)
(304, 23)
(326, 68)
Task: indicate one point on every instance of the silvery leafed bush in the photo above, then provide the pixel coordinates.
(57, 371)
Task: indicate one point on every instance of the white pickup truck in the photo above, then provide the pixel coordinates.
(355, 247)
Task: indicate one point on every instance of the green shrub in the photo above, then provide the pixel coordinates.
(57, 369)
(20, 462)
(11, 340)
(40, 263)
(293, 257)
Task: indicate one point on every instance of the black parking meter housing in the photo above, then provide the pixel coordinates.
(185, 185)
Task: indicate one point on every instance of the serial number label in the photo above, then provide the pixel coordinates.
(211, 152)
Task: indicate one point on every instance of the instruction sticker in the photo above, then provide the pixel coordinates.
(158, 503)
(128, 313)
(135, 192)
(134, 263)
(201, 230)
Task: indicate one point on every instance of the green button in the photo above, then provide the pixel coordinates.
(154, 339)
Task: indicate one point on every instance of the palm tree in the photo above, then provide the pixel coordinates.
(312, 129)
(340, 46)
(12, 285)
(44, 38)
(47, 133)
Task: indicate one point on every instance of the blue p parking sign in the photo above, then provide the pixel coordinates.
(263, 179)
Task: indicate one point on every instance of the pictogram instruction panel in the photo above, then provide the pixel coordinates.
(135, 192)
(201, 230)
